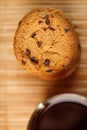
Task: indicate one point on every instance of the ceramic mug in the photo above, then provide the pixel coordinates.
(61, 112)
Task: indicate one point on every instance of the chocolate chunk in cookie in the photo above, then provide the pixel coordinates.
(46, 16)
(33, 35)
(47, 21)
(63, 66)
(28, 52)
(51, 28)
(39, 22)
(44, 29)
(34, 60)
(39, 43)
(46, 62)
(23, 62)
(67, 29)
(49, 71)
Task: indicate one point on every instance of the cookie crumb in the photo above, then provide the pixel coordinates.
(28, 52)
(39, 43)
(46, 62)
(33, 35)
(67, 29)
(23, 62)
(34, 60)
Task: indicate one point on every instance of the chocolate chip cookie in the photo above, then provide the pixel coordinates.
(46, 44)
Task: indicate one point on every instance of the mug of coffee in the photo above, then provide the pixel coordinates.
(61, 112)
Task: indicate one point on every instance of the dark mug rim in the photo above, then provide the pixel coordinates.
(61, 98)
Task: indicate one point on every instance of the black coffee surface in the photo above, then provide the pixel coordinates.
(64, 116)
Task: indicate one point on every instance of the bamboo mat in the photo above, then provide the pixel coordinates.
(21, 92)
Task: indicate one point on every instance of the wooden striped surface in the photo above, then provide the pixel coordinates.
(20, 92)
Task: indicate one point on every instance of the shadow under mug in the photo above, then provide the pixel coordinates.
(61, 112)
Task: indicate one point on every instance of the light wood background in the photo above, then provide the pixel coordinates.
(21, 92)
